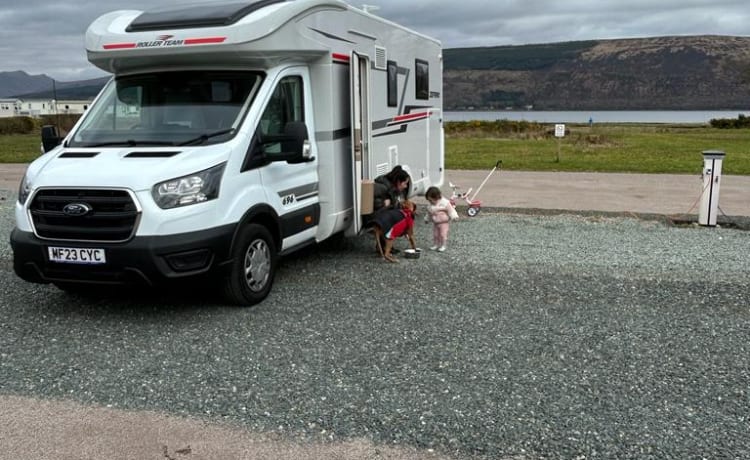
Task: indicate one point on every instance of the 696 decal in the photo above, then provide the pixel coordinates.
(288, 199)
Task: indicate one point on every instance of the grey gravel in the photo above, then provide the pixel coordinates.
(533, 336)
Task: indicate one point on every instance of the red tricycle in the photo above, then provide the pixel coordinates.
(474, 205)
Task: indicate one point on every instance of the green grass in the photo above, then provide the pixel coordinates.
(19, 148)
(603, 148)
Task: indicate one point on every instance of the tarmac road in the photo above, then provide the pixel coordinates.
(664, 194)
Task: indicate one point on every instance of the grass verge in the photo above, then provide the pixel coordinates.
(653, 149)
(19, 148)
(648, 149)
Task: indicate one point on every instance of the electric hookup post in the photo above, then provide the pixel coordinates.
(711, 180)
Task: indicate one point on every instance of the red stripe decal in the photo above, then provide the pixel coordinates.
(118, 46)
(203, 41)
(410, 116)
(341, 57)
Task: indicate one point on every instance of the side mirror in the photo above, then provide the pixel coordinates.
(50, 138)
(293, 147)
(296, 143)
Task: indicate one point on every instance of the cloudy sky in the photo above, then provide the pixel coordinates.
(47, 36)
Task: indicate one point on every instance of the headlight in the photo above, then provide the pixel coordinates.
(195, 188)
(24, 190)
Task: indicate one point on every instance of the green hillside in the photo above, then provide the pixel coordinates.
(658, 73)
(524, 57)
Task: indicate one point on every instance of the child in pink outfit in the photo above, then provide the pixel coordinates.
(440, 212)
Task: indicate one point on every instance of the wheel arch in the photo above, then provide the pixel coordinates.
(264, 215)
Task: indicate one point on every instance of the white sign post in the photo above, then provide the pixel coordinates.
(559, 134)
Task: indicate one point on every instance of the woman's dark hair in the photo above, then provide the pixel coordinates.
(398, 174)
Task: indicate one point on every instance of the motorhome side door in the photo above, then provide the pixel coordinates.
(360, 110)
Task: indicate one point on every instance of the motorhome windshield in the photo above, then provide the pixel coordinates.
(168, 108)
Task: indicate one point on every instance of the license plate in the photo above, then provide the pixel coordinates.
(76, 255)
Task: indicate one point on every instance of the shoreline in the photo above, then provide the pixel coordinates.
(679, 117)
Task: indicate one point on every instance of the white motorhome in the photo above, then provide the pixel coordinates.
(229, 135)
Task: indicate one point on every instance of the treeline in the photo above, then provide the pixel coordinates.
(30, 125)
(731, 123)
(497, 128)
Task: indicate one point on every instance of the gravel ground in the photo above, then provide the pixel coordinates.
(533, 336)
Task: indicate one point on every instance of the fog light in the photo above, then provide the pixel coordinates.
(189, 260)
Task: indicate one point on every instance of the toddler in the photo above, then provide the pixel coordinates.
(440, 211)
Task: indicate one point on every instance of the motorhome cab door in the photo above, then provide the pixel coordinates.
(360, 110)
(292, 187)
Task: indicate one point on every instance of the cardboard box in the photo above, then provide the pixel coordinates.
(367, 197)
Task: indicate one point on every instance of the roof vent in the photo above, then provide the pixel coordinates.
(198, 15)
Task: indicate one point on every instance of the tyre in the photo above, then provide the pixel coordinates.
(253, 268)
(472, 212)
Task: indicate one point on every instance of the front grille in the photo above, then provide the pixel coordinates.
(112, 215)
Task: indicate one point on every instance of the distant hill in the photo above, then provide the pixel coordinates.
(21, 85)
(659, 73)
(18, 82)
(80, 90)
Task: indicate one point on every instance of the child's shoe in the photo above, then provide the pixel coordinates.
(441, 249)
(433, 248)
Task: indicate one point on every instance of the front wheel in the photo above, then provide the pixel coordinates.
(254, 261)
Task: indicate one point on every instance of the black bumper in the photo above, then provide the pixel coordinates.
(151, 260)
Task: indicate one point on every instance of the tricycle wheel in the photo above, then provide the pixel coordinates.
(472, 212)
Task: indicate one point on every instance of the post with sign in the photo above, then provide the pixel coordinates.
(559, 134)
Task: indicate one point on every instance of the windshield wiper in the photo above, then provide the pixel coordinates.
(204, 137)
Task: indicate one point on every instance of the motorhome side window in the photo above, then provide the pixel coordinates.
(422, 81)
(284, 106)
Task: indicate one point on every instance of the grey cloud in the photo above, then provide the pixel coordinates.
(45, 36)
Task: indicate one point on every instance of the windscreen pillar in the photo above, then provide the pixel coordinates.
(712, 160)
